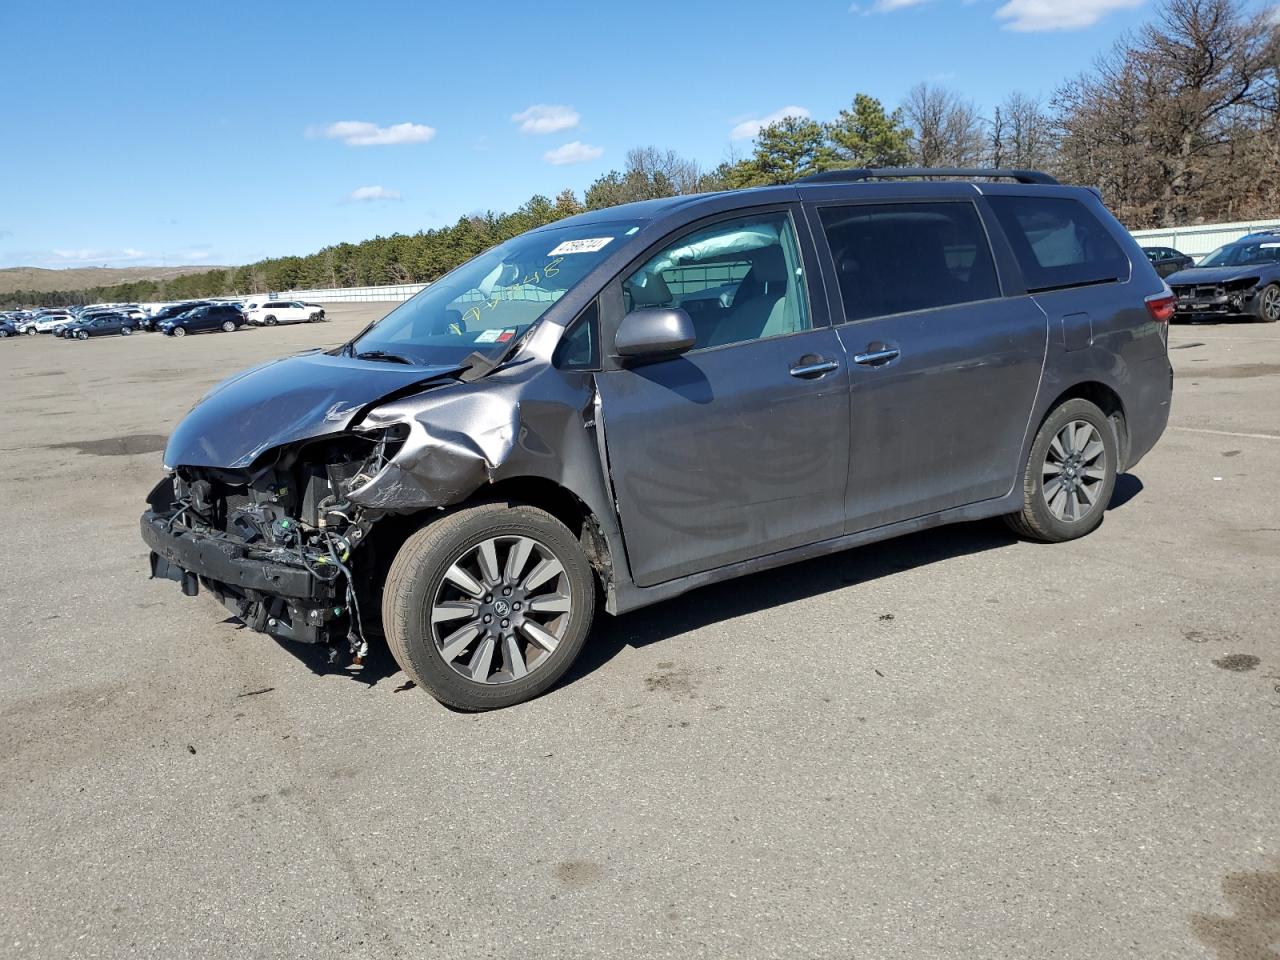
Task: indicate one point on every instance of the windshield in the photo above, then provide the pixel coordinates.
(492, 299)
(1239, 254)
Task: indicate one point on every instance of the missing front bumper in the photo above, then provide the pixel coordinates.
(273, 598)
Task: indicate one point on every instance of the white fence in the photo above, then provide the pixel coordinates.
(391, 294)
(1197, 241)
(1193, 241)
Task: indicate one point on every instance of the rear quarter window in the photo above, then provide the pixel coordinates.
(1059, 242)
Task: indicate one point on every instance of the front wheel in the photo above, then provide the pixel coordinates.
(1069, 475)
(1269, 303)
(179, 331)
(32, 332)
(126, 331)
(489, 606)
(82, 335)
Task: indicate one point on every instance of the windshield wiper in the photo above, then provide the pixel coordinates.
(384, 355)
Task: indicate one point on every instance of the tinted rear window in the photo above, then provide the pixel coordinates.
(1059, 242)
(901, 257)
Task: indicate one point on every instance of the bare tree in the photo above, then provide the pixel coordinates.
(946, 130)
(1179, 122)
(1020, 134)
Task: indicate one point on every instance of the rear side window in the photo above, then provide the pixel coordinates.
(902, 257)
(1059, 242)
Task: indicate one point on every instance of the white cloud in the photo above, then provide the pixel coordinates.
(546, 118)
(371, 194)
(748, 129)
(92, 256)
(575, 152)
(1030, 16)
(361, 133)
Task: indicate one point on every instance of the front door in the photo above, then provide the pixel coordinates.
(739, 448)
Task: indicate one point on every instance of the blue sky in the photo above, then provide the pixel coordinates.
(142, 133)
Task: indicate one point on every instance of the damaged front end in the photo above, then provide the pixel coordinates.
(275, 542)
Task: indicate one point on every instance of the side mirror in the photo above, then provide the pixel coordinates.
(655, 333)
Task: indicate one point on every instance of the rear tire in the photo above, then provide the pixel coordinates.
(420, 582)
(228, 326)
(126, 331)
(269, 321)
(1069, 475)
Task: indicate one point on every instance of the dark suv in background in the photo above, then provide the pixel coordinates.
(1167, 260)
(634, 402)
(214, 316)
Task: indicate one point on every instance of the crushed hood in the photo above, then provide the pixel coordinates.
(285, 401)
(1214, 274)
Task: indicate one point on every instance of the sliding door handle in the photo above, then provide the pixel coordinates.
(811, 370)
(873, 358)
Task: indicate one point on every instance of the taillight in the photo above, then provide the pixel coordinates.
(1162, 306)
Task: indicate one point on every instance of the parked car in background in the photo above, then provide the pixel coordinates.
(268, 313)
(68, 326)
(170, 311)
(890, 357)
(44, 321)
(8, 329)
(213, 316)
(1240, 279)
(1167, 260)
(102, 325)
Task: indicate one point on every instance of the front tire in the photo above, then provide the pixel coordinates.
(126, 331)
(82, 335)
(1269, 303)
(489, 606)
(32, 332)
(1069, 476)
(179, 331)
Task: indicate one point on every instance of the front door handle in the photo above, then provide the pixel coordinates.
(873, 358)
(812, 369)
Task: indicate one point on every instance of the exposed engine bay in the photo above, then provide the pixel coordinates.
(278, 539)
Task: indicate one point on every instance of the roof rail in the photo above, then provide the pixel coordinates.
(894, 173)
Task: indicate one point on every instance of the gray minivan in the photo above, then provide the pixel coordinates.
(624, 405)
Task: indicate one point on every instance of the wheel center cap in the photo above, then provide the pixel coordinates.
(501, 608)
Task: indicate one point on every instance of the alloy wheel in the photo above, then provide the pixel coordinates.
(501, 609)
(1075, 471)
(1271, 303)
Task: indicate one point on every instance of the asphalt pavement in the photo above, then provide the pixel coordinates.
(955, 744)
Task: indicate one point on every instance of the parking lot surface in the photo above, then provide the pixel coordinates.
(953, 744)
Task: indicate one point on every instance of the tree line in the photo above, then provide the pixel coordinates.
(1177, 123)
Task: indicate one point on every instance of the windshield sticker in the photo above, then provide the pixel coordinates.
(580, 246)
(489, 336)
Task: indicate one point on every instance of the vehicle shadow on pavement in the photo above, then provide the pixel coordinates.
(734, 598)
(772, 588)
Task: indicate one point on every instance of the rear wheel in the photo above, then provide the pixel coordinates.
(228, 326)
(1069, 475)
(126, 331)
(489, 606)
(1269, 303)
(270, 321)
